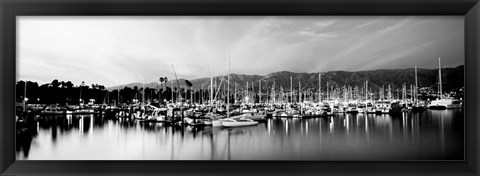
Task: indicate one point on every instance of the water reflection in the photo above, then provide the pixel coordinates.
(434, 134)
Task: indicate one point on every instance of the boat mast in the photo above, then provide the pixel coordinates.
(143, 94)
(228, 87)
(411, 91)
(328, 95)
(273, 92)
(299, 92)
(247, 94)
(319, 87)
(291, 90)
(440, 78)
(25, 96)
(211, 90)
(267, 96)
(260, 91)
(366, 90)
(171, 90)
(253, 92)
(178, 84)
(416, 84)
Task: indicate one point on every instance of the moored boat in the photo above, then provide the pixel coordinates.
(253, 116)
(443, 103)
(238, 122)
(446, 103)
(219, 122)
(55, 110)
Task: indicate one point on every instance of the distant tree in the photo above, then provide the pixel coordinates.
(55, 83)
(32, 84)
(68, 84)
(101, 87)
(21, 83)
(167, 94)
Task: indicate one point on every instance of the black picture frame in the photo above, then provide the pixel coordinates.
(9, 9)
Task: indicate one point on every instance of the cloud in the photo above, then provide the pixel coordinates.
(393, 27)
(316, 35)
(118, 50)
(316, 30)
(272, 25)
(365, 24)
(322, 24)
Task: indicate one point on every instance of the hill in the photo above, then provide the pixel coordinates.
(451, 78)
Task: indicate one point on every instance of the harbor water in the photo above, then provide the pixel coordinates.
(430, 135)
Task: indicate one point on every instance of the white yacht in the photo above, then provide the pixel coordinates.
(219, 122)
(238, 122)
(445, 103)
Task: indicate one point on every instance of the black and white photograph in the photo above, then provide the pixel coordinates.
(282, 88)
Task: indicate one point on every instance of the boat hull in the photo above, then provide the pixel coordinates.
(217, 123)
(439, 106)
(238, 124)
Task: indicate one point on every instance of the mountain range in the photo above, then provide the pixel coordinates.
(452, 78)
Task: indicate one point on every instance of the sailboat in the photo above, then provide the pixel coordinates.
(236, 121)
(443, 103)
(156, 114)
(218, 122)
(417, 106)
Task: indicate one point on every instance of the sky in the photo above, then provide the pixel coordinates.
(112, 51)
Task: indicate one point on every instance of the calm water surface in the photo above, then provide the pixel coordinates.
(431, 135)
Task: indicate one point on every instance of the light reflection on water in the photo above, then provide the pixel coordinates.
(432, 135)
